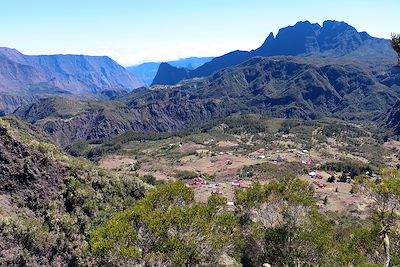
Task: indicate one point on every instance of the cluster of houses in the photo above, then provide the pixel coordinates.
(317, 176)
(345, 177)
(239, 184)
(199, 182)
(260, 154)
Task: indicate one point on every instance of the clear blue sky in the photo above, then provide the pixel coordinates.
(134, 31)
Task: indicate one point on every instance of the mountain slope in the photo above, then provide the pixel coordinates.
(284, 87)
(50, 201)
(147, 71)
(392, 118)
(23, 77)
(333, 39)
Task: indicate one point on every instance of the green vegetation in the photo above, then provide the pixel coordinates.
(168, 228)
(396, 45)
(54, 201)
(270, 171)
(355, 168)
(92, 217)
(278, 223)
(186, 175)
(386, 197)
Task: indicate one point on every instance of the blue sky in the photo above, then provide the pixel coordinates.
(134, 31)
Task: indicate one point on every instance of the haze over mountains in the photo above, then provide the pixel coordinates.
(26, 78)
(331, 71)
(147, 71)
(284, 87)
(333, 40)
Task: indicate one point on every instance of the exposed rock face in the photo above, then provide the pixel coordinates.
(392, 118)
(147, 71)
(23, 78)
(279, 87)
(32, 178)
(9, 103)
(44, 216)
(170, 74)
(334, 39)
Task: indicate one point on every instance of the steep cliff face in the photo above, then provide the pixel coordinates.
(304, 39)
(284, 87)
(9, 103)
(170, 74)
(24, 78)
(33, 178)
(392, 118)
(49, 202)
(103, 121)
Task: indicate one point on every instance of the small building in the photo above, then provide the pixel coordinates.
(198, 180)
(236, 183)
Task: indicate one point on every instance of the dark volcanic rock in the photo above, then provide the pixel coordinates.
(28, 175)
(9, 103)
(284, 87)
(392, 118)
(334, 39)
(170, 74)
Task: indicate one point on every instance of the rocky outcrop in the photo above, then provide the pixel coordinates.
(169, 75)
(284, 87)
(35, 76)
(31, 177)
(392, 118)
(333, 40)
(9, 103)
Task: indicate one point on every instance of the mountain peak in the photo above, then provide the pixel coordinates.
(11, 54)
(167, 72)
(333, 39)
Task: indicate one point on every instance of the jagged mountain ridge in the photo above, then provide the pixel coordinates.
(25, 78)
(333, 39)
(284, 87)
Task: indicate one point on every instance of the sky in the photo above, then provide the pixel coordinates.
(136, 31)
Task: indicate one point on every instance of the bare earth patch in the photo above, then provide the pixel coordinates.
(190, 147)
(114, 162)
(227, 144)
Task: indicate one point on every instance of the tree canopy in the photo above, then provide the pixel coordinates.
(396, 45)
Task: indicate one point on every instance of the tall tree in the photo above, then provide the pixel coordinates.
(385, 193)
(396, 45)
(283, 227)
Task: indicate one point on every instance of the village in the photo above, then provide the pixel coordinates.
(217, 167)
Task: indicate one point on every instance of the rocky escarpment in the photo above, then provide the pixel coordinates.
(9, 103)
(30, 177)
(103, 122)
(49, 202)
(333, 39)
(392, 118)
(282, 87)
(35, 76)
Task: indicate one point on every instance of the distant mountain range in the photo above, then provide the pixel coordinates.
(285, 87)
(147, 71)
(24, 79)
(331, 71)
(333, 39)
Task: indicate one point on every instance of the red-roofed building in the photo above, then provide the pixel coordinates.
(198, 180)
(236, 183)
